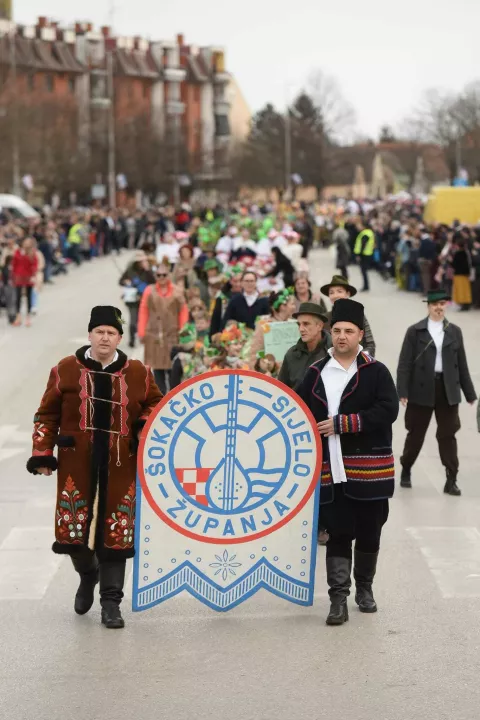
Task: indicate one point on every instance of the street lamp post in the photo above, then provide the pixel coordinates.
(288, 152)
(111, 132)
(15, 146)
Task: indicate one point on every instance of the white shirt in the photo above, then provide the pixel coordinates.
(437, 332)
(250, 299)
(88, 356)
(335, 379)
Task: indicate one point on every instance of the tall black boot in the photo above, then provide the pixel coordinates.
(364, 571)
(87, 568)
(112, 578)
(451, 487)
(339, 582)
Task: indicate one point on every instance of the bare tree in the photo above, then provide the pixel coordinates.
(338, 115)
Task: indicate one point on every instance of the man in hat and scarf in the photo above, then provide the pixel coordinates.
(93, 409)
(337, 288)
(353, 399)
(432, 372)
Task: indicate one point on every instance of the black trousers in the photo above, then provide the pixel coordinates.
(347, 520)
(365, 265)
(28, 293)
(417, 420)
(162, 379)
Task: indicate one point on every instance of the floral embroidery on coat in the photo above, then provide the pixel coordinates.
(72, 514)
(122, 521)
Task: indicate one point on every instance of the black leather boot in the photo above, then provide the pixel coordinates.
(364, 571)
(339, 582)
(112, 578)
(87, 568)
(451, 487)
(406, 478)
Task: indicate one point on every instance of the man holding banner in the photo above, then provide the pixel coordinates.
(353, 399)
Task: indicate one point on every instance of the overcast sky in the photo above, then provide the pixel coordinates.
(382, 54)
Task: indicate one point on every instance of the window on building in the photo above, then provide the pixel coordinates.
(49, 82)
(71, 84)
(222, 126)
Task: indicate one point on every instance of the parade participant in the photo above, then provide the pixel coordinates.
(266, 364)
(364, 249)
(282, 306)
(247, 306)
(282, 267)
(432, 370)
(312, 346)
(341, 239)
(226, 244)
(303, 293)
(187, 360)
(24, 267)
(230, 288)
(169, 248)
(354, 401)
(293, 251)
(184, 274)
(135, 280)
(244, 247)
(339, 288)
(462, 268)
(162, 313)
(232, 341)
(95, 404)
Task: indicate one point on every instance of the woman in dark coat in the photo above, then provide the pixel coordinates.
(282, 265)
(462, 266)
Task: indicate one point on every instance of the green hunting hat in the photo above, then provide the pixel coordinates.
(434, 296)
(310, 308)
(339, 281)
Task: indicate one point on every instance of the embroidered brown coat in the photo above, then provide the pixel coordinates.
(93, 416)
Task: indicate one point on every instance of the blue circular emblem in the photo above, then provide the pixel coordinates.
(229, 457)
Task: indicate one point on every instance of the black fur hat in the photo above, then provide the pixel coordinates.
(346, 310)
(106, 315)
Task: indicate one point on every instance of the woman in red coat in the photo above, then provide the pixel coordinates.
(24, 271)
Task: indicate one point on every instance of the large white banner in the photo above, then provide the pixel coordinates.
(227, 493)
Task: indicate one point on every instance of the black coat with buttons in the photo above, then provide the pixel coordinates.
(416, 366)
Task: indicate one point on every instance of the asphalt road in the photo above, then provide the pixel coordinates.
(418, 657)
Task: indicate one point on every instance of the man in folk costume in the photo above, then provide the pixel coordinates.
(95, 404)
(432, 373)
(353, 399)
(162, 313)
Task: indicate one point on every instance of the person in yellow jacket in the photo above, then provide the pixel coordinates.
(364, 249)
(75, 238)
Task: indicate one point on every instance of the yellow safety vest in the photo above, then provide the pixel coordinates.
(74, 236)
(369, 247)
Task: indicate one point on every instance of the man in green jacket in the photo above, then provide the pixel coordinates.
(312, 346)
(364, 249)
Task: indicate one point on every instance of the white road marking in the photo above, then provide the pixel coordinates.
(453, 556)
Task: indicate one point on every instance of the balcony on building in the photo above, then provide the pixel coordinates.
(174, 75)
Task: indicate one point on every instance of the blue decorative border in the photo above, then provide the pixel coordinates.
(187, 577)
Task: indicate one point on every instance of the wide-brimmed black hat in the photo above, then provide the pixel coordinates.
(106, 315)
(346, 310)
(339, 281)
(311, 308)
(434, 296)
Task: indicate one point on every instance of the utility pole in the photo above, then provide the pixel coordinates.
(15, 145)
(111, 173)
(176, 160)
(288, 152)
(111, 132)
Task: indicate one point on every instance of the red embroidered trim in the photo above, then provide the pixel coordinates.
(41, 453)
(83, 398)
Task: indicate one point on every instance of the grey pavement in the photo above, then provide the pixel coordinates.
(418, 657)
